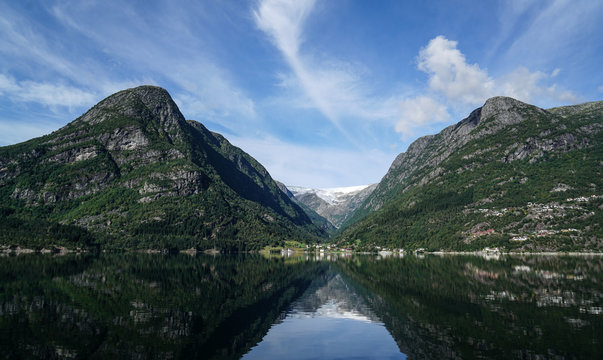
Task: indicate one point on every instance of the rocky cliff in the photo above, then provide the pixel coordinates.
(510, 174)
(132, 172)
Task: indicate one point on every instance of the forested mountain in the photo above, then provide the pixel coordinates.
(510, 175)
(133, 173)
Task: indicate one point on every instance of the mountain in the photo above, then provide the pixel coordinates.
(133, 173)
(335, 204)
(510, 175)
(317, 219)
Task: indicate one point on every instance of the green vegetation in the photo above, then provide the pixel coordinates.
(467, 307)
(131, 173)
(179, 306)
(139, 305)
(484, 195)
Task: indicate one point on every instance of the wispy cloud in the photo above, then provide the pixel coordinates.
(558, 30)
(117, 37)
(46, 94)
(336, 88)
(206, 90)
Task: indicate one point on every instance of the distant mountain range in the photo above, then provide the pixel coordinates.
(334, 204)
(133, 173)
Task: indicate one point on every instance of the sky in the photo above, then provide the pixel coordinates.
(322, 93)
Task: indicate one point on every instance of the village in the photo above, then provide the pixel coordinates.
(536, 212)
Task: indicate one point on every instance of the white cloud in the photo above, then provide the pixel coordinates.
(283, 20)
(7, 85)
(524, 85)
(419, 111)
(319, 167)
(451, 75)
(457, 82)
(49, 95)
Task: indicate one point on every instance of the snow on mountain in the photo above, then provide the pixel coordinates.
(334, 204)
(332, 196)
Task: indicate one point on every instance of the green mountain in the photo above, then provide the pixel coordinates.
(133, 173)
(510, 175)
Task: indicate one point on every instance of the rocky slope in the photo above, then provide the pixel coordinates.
(317, 219)
(510, 175)
(336, 205)
(132, 172)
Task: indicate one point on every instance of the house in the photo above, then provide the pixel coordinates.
(484, 232)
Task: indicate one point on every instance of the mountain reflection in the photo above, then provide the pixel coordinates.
(144, 306)
(151, 306)
(329, 321)
(470, 307)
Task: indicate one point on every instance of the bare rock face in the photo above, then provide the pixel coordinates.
(507, 111)
(129, 138)
(147, 102)
(74, 155)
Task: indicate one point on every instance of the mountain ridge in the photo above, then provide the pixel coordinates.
(495, 150)
(133, 172)
(334, 204)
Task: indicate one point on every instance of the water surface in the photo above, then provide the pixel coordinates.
(230, 307)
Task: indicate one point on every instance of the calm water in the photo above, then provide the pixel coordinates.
(231, 307)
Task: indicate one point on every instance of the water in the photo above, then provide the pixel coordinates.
(329, 321)
(252, 307)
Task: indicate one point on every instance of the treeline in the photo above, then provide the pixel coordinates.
(39, 233)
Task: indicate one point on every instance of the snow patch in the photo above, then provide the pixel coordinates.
(330, 195)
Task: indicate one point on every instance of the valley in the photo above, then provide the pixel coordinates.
(132, 173)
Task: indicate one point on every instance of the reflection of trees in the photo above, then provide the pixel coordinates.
(144, 306)
(150, 306)
(467, 307)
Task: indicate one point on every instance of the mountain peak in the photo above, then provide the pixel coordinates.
(506, 109)
(145, 102)
(510, 174)
(133, 171)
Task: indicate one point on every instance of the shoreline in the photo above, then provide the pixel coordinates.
(59, 250)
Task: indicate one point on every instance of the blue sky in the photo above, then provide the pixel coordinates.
(322, 93)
